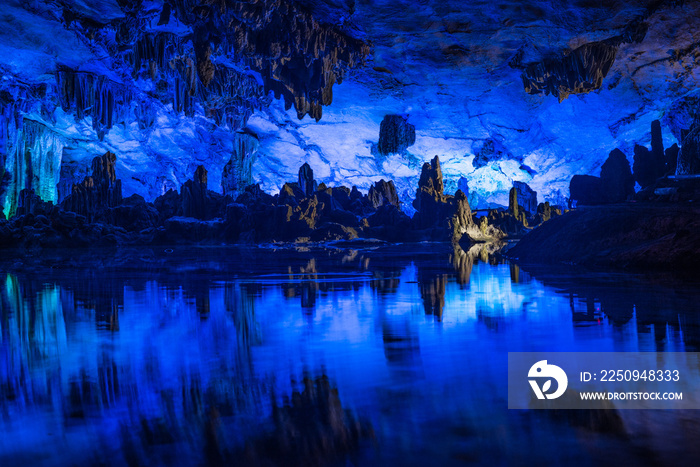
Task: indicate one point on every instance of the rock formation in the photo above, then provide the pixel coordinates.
(651, 235)
(527, 197)
(381, 193)
(671, 157)
(237, 172)
(194, 201)
(303, 211)
(194, 194)
(583, 69)
(491, 150)
(445, 217)
(648, 166)
(580, 71)
(98, 192)
(689, 154)
(395, 134)
(430, 203)
(307, 184)
(616, 181)
(586, 190)
(512, 222)
(657, 148)
(615, 184)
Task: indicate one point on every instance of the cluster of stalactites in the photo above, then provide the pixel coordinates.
(298, 58)
(88, 94)
(34, 162)
(16, 101)
(228, 96)
(581, 71)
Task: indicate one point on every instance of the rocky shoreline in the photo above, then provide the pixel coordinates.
(633, 235)
(305, 211)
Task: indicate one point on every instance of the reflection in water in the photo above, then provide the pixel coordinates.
(310, 429)
(272, 357)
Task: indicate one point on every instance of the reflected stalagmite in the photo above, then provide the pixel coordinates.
(432, 290)
(311, 429)
(309, 285)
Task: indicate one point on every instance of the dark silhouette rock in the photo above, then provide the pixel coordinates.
(253, 194)
(133, 214)
(389, 215)
(527, 197)
(461, 222)
(633, 235)
(168, 205)
(586, 190)
(95, 193)
(647, 168)
(671, 156)
(395, 134)
(657, 143)
(189, 230)
(512, 222)
(381, 193)
(194, 200)
(430, 200)
(342, 195)
(513, 206)
(578, 72)
(544, 213)
(29, 202)
(194, 195)
(306, 180)
(616, 180)
(689, 154)
(491, 150)
(291, 194)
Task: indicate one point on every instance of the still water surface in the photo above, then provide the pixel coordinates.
(385, 356)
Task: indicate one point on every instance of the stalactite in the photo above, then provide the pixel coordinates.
(88, 94)
(580, 71)
(229, 96)
(35, 163)
(16, 101)
(298, 58)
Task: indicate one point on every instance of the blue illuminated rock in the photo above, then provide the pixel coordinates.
(237, 172)
(527, 197)
(395, 134)
(168, 86)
